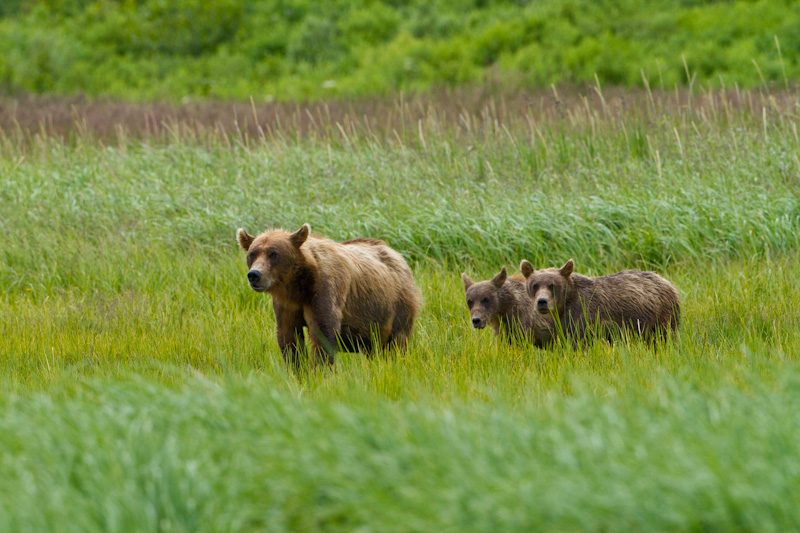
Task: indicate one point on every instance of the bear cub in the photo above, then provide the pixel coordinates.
(353, 294)
(503, 303)
(631, 301)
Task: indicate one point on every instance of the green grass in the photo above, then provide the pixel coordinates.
(251, 455)
(143, 388)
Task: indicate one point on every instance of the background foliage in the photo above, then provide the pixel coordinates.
(303, 49)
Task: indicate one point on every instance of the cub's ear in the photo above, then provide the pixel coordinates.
(500, 278)
(526, 268)
(467, 282)
(567, 269)
(244, 238)
(299, 237)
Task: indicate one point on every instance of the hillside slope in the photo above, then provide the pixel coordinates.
(303, 49)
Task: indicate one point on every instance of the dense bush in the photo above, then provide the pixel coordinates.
(302, 49)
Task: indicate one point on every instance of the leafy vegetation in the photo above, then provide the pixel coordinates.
(302, 49)
(143, 388)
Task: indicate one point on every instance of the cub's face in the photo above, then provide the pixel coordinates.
(547, 287)
(482, 299)
(482, 303)
(271, 256)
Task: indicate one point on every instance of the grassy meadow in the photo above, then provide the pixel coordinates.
(142, 384)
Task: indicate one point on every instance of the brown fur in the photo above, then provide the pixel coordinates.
(344, 293)
(633, 301)
(364, 240)
(503, 303)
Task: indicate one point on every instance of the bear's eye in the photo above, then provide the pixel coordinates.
(469, 303)
(251, 257)
(273, 255)
(485, 301)
(551, 287)
(535, 287)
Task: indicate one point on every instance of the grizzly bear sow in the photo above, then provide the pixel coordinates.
(633, 301)
(502, 302)
(348, 293)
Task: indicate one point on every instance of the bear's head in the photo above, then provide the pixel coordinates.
(547, 287)
(482, 298)
(273, 256)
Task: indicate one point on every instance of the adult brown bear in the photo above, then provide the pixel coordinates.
(642, 303)
(350, 294)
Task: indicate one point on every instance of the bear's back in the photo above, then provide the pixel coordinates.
(630, 295)
(365, 265)
(366, 241)
(641, 285)
(376, 250)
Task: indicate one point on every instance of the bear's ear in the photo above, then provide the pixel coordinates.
(567, 269)
(244, 238)
(500, 278)
(467, 282)
(526, 268)
(300, 236)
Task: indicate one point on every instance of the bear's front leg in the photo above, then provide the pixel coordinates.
(290, 323)
(324, 323)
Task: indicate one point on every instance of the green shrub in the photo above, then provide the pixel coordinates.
(359, 48)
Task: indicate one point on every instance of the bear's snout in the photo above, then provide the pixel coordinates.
(257, 282)
(477, 322)
(541, 305)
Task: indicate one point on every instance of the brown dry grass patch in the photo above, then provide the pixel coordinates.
(463, 111)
